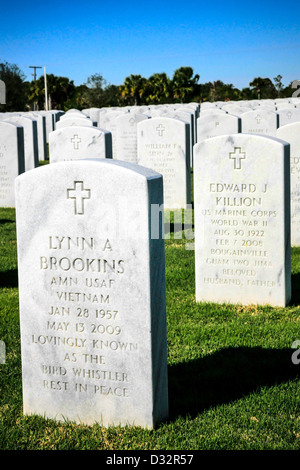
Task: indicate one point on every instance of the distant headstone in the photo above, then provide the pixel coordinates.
(288, 115)
(108, 122)
(214, 124)
(92, 293)
(41, 134)
(126, 136)
(260, 121)
(189, 118)
(77, 142)
(29, 125)
(74, 121)
(291, 134)
(163, 145)
(12, 162)
(242, 220)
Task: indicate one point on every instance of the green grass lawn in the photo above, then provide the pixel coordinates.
(232, 383)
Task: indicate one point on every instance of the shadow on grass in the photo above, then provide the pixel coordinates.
(9, 278)
(225, 376)
(6, 221)
(177, 227)
(295, 290)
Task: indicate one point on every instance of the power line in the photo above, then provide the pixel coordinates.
(34, 67)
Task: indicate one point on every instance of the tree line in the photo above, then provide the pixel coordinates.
(182, 87)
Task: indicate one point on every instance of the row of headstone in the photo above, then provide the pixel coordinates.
(37, 127)
(22, 146)
(162, 144)
(92, 274)
(92, 271)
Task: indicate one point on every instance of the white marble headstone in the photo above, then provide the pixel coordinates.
(126, 136)
(260, 121)
(74, 121)
(29, 125)
(288, 115)
(41, 134)
(214, 124)
(163, 145)
(92, 293)
(77, 142)
(242, 220)
(291, 134)
(12, 160)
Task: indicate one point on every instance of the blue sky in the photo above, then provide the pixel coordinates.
(229, 40)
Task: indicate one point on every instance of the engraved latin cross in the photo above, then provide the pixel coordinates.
(258, 119)
(237, 157)
(76, 141)
(79, 194)
(160, 129)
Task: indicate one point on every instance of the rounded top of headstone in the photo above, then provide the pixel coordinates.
(91, 165)
(239, 139)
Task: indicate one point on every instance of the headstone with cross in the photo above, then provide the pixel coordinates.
(77, 142)
(288, 115)
(262, 121)
(92, 315)
(12, 160)
(168, 154)
(213, 124)
(242, 220)
(126, 136)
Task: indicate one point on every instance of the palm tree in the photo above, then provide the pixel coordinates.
(183, 83)
(133, 89)
(158, 89)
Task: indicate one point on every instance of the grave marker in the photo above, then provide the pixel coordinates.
(260, 121)
(29, 125)
(287, 116)
(242, 220)
(163, 145)
(214, 124)
(78, 142)
(126, 136)
(92, 294)
(12, 160)
(291, 134)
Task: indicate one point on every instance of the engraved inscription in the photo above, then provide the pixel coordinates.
(83, 322)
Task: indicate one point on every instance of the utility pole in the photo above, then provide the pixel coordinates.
(46, 92)
(34, 67)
